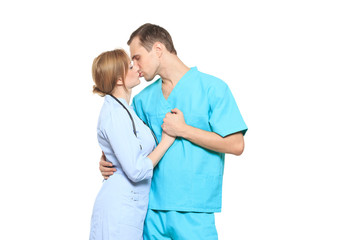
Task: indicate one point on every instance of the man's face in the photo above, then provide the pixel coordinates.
(147, 62)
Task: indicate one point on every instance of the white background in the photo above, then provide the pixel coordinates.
(293, 67)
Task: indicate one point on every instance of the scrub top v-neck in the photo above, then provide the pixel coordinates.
(178, 87)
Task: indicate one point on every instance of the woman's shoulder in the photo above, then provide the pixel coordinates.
(111, 113)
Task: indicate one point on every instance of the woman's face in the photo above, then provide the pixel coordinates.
(132, 77)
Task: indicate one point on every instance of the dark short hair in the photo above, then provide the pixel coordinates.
(149, 34)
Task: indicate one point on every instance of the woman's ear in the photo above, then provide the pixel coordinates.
(119, 81)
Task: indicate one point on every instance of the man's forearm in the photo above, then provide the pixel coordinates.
(233, 144)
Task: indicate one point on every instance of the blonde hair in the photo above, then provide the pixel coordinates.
(107, 68)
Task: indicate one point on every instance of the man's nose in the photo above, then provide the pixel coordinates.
(136, 66)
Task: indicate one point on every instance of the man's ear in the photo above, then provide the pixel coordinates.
(158, 47)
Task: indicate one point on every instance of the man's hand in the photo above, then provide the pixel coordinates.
(106, 167)
(174, 123)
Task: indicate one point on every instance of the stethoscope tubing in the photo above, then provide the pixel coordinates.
(132, 120)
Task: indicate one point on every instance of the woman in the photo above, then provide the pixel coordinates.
(121, 205)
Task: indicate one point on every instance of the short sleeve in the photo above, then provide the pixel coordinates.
(225, 117)
(126, 147)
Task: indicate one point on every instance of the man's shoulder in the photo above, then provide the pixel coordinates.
(211, 80)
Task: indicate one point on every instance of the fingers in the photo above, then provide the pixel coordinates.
(106, 168)
(165, 128)
(104, 163)
(106, 175)
(176, 111)
(107, 171)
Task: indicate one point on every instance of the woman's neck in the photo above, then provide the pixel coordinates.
(120, 92)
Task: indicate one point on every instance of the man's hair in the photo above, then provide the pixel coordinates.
(149, 34)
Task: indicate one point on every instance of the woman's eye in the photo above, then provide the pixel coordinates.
(131, 65)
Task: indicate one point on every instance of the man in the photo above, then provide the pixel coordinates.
(201, 112)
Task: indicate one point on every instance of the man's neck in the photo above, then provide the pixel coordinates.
(172, 71)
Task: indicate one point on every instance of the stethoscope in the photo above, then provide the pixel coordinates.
(132, 121)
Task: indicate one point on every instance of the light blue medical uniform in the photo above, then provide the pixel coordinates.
(120, 206)
(189, 178)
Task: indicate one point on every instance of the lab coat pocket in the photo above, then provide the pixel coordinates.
(134, 209)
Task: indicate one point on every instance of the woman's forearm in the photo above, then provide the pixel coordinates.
(159, 152)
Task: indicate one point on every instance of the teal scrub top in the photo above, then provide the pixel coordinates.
(189, 178)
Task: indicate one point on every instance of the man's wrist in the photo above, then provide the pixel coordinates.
(184, 132)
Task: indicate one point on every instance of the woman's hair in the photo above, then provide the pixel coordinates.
(107, 68)
(149, 34)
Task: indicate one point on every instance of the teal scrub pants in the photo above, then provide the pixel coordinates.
(166, 225)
